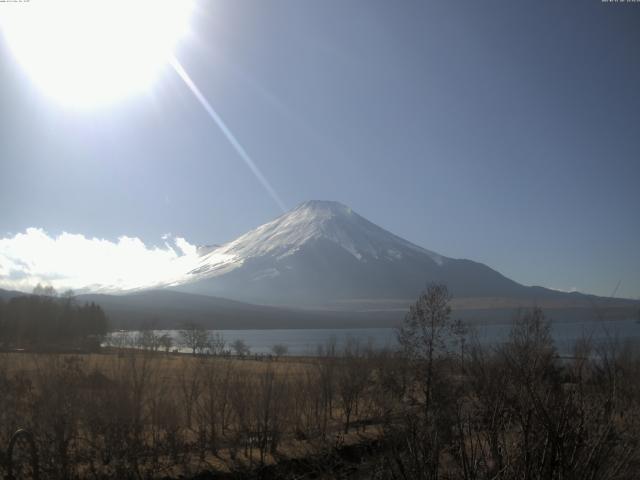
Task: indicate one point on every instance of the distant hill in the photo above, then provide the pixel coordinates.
(162, 309)
(7, 294)
(169, 309)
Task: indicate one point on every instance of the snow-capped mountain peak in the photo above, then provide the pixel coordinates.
(312, 221)
(322, 252)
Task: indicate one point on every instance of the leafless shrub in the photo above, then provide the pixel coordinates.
(353, 375)
(214, 405)
(530, 414)
(307, 405)
(279, 349)
(240, 347)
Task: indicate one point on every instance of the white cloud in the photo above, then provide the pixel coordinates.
(77, 262)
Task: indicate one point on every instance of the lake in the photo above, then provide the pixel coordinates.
(306, 341)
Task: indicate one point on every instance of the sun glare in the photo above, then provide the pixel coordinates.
(94, 52)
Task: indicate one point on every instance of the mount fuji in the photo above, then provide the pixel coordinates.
(323, 254)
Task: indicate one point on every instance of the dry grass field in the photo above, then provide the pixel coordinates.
(158, 414)
(431, 411)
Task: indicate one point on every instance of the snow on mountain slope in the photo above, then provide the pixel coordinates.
(311, 221)
(322, 252)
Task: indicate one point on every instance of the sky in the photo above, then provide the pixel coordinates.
(506, 132)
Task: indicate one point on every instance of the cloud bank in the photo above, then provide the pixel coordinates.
(73, 261)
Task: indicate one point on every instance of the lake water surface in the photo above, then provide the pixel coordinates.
(307, 341)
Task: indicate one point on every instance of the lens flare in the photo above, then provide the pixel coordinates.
(227, 133)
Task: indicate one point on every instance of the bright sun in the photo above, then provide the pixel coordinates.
(93, 52)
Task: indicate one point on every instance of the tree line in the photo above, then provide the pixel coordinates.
(48, 320)
(192, 337)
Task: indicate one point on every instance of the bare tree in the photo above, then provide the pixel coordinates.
(352, 380)
(427, 334)
(326, 377)
(165, 341)
(147, 339)
(216, 343)
(426, 338)
(240, 347)
(44, 291)
(194, 337)
(214, 405)
(279, 349)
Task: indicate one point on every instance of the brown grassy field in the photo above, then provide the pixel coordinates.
(178, 413)
(431, 411)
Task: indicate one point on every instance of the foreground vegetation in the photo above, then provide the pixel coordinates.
(442, 407)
